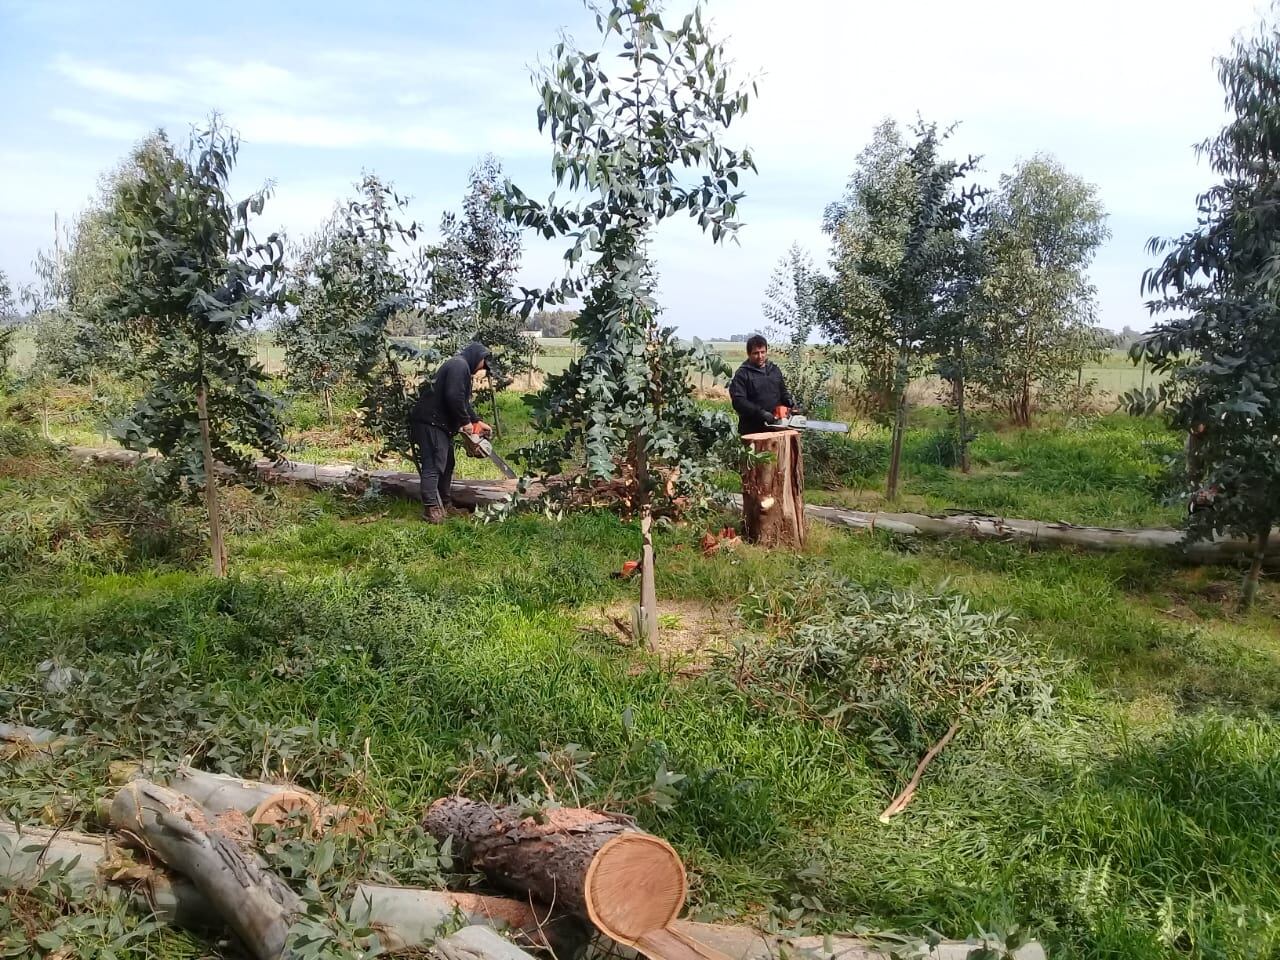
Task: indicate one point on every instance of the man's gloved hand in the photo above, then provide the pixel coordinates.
(771, 421)
(479, 429)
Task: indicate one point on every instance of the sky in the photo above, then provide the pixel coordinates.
(1119, 91)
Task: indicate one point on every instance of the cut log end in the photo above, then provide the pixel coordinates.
(635, 884)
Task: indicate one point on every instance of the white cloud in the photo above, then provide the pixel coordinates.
(143, 87)
(96, 125)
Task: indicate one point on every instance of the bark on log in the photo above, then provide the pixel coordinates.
(407, 917)
(478, 943)
(1035, 532)
(91, 863)
(255, 903)
(18, 742)
(773, 490)
(591, 865)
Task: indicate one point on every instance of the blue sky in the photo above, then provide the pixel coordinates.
(1118, 90)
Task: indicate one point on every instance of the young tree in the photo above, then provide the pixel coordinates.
(375, 287)
(957, 336)
(473, 268)
(791, 307)
(868, 227)
(893, 249)
(198, 281)
(1045, 225)
(627, 136)
(1217, 310)
(317, 331)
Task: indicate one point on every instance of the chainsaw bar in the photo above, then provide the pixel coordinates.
(804, 423)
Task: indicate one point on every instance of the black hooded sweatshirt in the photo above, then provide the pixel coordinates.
(445, 401)
(755, 391)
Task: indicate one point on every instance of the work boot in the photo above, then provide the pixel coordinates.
(433, 514)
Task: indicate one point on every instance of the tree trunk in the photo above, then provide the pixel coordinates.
(1255, 569)
(19, 742)
(646, 614)
(44, 419)
(216, 547)
(962, 426)
(255, 903)
(591, 865)
(478, 943)
(328, 406)
(773, 490)
(899, 426)
(407, 918)
(90, 863)
(266, 803)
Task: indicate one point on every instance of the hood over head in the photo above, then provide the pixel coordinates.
(474, 353)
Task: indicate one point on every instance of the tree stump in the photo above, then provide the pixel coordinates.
(773, 490)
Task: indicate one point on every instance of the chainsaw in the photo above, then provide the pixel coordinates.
(479, 447)
(798, 421)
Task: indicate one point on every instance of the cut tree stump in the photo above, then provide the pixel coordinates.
(600, 868)
(773, 490)
(253, 901)
(407, 918)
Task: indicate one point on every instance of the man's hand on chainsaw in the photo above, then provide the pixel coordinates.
(479, 429)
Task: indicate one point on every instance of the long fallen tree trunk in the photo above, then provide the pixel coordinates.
(255, 903)
(1034, 532)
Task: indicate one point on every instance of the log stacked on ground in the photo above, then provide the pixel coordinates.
(591, 865)
(256, 903)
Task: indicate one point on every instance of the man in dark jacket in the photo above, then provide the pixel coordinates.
(759, 394)
(442, 408)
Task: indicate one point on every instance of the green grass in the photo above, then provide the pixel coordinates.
(376, 658)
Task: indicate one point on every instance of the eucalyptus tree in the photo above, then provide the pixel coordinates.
(8, 326)
(1045, 225)
(637, 124)
(197, 282)
(791, 307)
(473, 268)
(1216, 302)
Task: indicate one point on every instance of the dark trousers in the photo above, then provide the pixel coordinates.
(434, 449)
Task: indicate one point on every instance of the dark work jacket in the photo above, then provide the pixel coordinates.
(445, 400)
(755, 391)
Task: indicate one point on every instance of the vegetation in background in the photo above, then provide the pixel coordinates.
(1217, 307)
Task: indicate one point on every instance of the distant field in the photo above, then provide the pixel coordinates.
(1114, 375)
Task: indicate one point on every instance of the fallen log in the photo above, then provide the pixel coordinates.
(18, 742)
(1034, 532)
(407, 917)
(253, 901)
(747, 943)
(262, 803)
(1040, 533)
(91, 863)
(478, 943)
(597, 867)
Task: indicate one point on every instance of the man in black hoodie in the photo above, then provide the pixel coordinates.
(442, 408)
(759, 394)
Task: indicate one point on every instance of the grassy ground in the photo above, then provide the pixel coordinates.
(388, 662)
